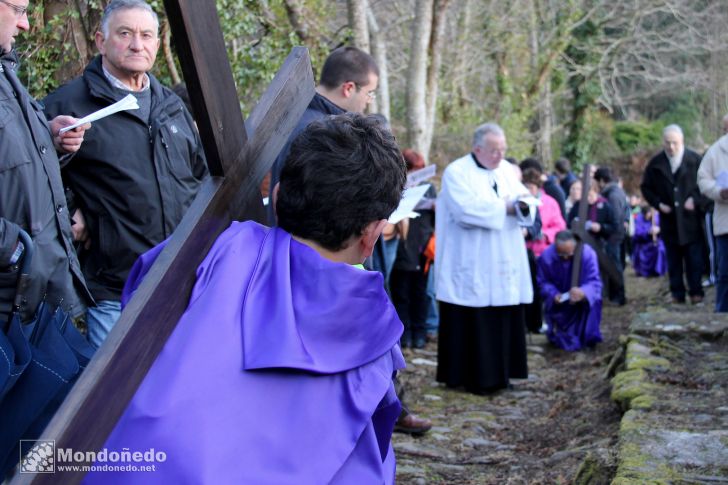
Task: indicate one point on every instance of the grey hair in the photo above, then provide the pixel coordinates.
(725, 118)
(116, 5)
(674, 129)
(486, 129)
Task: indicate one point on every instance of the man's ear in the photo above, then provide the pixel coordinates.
(369, 237)
(346, 89)
(99, 39)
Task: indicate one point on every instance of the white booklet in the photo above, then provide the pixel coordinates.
(126, 103)
(407, 205)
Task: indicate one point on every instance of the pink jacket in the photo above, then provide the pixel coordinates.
(551, 222)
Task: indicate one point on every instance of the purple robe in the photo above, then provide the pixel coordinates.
(648, 256)
(571, 327)
(279, 371)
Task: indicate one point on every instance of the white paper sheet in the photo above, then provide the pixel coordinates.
(414, 178)
(407, 204)
(126, 103)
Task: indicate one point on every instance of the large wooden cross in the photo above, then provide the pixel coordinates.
(238, 155)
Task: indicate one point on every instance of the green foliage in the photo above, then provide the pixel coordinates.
(259, 38)
(631, 136)
(45, 50)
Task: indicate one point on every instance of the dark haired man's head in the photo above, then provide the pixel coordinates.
(603, 175)
(349, 79)
(531, 163)
(532, 178)
(565, 243)
(562, 166)
(344, 175)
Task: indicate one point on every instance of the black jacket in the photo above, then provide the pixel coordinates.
(618, 201)
(32, 199)
(552, 188)
(133, 180)
(410, 251)
(660, 185)
(600, 212)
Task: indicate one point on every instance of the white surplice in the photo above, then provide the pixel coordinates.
(481, 255)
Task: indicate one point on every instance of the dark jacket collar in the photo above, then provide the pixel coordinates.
(324, 105)
(10, 59)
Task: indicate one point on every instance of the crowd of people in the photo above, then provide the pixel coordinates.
(289, 313)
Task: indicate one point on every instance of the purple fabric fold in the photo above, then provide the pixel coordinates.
(279, 371)
(571, 327)
(649, 257)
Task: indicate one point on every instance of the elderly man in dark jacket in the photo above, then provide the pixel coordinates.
(31, 192)
(670, 185)
(138, 171)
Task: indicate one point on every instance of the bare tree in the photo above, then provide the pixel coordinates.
(379, 51)
(417, 76)
(358, 23)
(437, 38)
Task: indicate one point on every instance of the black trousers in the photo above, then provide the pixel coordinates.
(409, 296)
(534, 310)
(615, 290)
(689, 256)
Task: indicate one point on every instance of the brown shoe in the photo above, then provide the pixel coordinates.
(695, 299)
(411, 424)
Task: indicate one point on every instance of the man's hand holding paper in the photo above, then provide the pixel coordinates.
(67, 141)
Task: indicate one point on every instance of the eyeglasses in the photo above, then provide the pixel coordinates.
(19, 11)
(371, 94)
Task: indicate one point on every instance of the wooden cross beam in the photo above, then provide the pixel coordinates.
(238, 155)
(578, 227)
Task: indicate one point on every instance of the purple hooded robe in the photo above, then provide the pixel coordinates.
(648, 256)
(279, 371)
(571, 326)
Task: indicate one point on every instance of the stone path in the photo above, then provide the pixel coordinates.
(561, 425)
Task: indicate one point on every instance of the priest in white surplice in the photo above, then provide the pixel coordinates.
(482, 272)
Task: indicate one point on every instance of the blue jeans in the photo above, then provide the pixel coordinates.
(101, 319)
(721, 287)
(432, 324)
(385, 252)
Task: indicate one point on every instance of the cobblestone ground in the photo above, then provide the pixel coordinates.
(540, 431)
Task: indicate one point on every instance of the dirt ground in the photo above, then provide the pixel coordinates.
(538, 432)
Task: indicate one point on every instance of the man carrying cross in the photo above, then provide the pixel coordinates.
(573, 312)
(280, 370)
